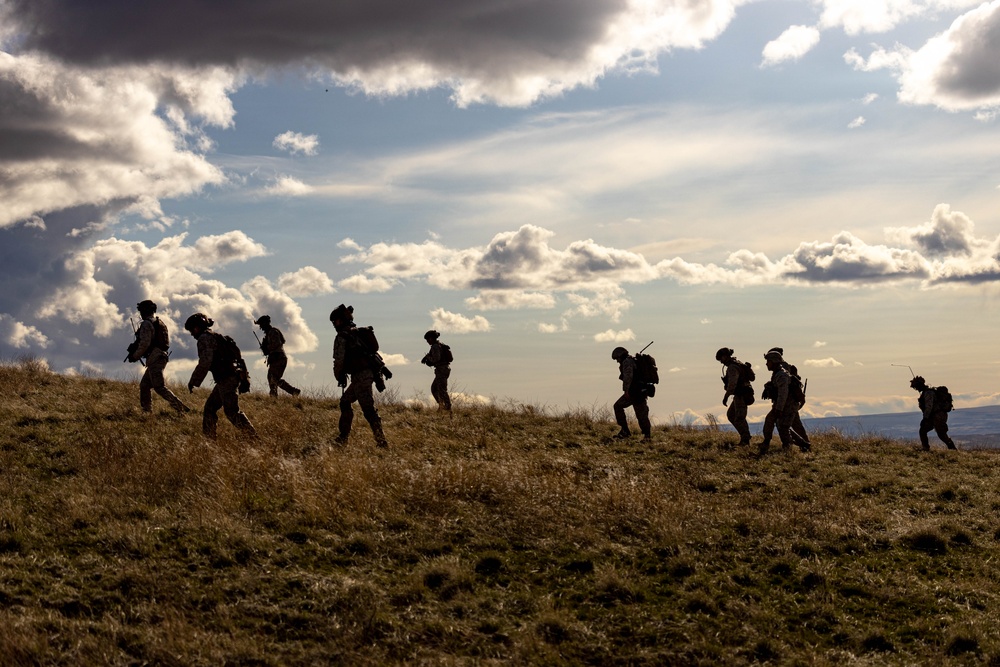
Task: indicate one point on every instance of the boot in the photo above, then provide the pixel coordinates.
(622, 434)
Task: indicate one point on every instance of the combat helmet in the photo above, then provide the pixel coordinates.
(146, 306)
(918, 382)
(724, 353)
(342, 312)
(619, 353)
(263, 321)
(431, 335)
(198, 321)
(775, 353)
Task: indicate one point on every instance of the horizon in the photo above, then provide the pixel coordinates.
(539, 184)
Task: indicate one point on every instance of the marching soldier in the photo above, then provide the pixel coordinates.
(783, 406)
(273, 347)
(439, 358)
(935, 403)
(737, 382)
(221, 356)
(633, 395)
(152, 344)
(352, 360)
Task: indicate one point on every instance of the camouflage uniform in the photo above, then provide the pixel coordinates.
(348, 363)
(442, 371)
(934, 419)
(224, 395)
(783, 413)
(273, 346)
(155, 352)
(737, 412)
(632, 396)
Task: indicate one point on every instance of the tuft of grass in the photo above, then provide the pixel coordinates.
(507, 533)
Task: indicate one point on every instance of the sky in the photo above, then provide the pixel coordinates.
(539, 180)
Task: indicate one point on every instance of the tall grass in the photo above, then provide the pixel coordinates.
(503, 533)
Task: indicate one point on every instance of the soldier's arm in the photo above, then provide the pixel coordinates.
(929, 403)
(339, 354)
(145, 339)
(628, 372)
(732, 379)
(781, 387)
(206, 349)
(434, 355)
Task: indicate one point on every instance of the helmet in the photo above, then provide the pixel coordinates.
(431, 335)
(198, 321)
(774, 353)
(724, 353)
(918, 382)
(619, 353)
(146, 306)
(263, 321)
(342, 312)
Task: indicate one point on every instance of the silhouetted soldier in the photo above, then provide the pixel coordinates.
(737, 383)
(273, 347)
(439, 358)
(783, 408)
(798, 398)
(221, 356)
(352, 359)
(935, 404)
(633, 396)
(152, 343)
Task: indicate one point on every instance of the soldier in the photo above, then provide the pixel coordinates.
(798, 398)
(439, 358)
(737, 383)
(219, 355)
(152, 343)
(273, 347)
(783, 407)
(633, 396)
(935, 403)
(350, 358)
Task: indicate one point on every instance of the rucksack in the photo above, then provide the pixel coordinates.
(446, 356)
(227, 359)
(796, 393)
(746, 373)
(942, 399)
(645, 369)
(161, 338)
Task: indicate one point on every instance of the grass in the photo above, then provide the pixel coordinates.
(506, 534)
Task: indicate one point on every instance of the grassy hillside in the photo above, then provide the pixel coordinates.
(503, 535)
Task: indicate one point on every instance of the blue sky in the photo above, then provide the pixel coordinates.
(540, 181)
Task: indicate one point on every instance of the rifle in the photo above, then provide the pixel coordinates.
(260, 345)
(644, 349)
(133, 346)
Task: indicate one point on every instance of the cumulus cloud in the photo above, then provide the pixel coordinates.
(612, 336)
(856, 123)
(490, 300)
(946, 233)
(956, 70)
(546, 328)
(829, 362)
(792, 44)
(295, 142)
(363, 284)
(21, 336)
(394, 359)
(288, 186)
(485, 50)
(307, 281)
(458, 324)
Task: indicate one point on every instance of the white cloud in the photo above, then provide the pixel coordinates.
(792, 44)
(394, 359)
(829, 362)
(819, 343)
(287, 186)
(459, 324)
(869, 98)
(872, 16)
(494, 300)
(295, 142)
(546, 328)
(612, 336)
(19, 335)
(307, 281)
(363, 284)
(856, 123)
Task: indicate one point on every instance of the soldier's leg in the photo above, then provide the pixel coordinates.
(620, 417)
(641, 408)
(155, 366)
(272, 381)
(737, 416)
(799, 428)
(925, 428)
(209, 415)
(439, 389)
(145, 395)
(768, 430)
(347, 410)
(231, 406)
(786, 433)
(941, 428)
(366, 399)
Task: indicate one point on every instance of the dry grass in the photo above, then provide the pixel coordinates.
(506, 534)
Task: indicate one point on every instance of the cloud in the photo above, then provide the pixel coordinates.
(856, 123)
(294, 142)
(792, 44)
(458, 324)
(947, 233)
(869, 98)
(819, 343)
(956, 70)
(510, 301)
(612, 336)
(394, 359)
(485, 51)
(287, 186)
(872, 16)
(546, 328)
(307, 281)
(21, 336)
(363, 284)
(829, 362)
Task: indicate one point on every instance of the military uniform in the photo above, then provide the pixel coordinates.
(273, 346)
(154, 349)
(442, 371)
(737, 412)
(933, 418)
(225, 394)
(783, 410)
(349, 362)
(632, 396)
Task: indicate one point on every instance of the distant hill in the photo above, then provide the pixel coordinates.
(972, 427)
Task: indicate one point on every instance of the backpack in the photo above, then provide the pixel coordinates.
(796, 393)
(942, 399)
(161, 338)
(746, 373)
(646, 374)
(228, 360)
(446, 356)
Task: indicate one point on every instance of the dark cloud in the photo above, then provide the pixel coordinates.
(972, 69)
